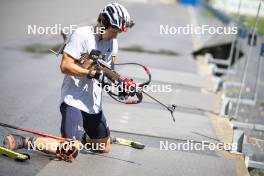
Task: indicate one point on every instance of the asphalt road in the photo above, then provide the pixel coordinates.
(30, 91)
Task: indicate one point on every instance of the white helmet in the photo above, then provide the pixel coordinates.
(118, 16)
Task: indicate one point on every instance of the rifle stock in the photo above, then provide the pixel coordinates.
(97, 64)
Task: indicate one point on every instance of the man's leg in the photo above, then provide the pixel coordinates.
(97, 129)
(103, 143)
(47, 145)
(14, 141)
(72, 122)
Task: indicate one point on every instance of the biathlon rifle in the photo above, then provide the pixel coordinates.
(114, 77)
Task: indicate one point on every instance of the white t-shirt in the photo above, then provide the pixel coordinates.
(81, 92)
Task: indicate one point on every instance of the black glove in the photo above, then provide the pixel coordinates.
(124, 92)
(98, 75)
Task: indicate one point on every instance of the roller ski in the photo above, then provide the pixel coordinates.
(11, 143)
(14, 155)
(126, 142)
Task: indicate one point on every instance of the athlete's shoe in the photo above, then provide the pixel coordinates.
(14, 141)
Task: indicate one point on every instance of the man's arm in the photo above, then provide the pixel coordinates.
(70, 67)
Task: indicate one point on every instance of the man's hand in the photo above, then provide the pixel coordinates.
(69, 66)
(68, 150)
(97, 75)
(126, 88)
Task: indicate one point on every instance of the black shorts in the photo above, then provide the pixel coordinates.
(76, 122)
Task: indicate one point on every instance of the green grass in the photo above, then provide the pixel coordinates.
(260, 102)
(40, 48)
(139, 49)
(207, 14)
(44, 49)
(251, 22)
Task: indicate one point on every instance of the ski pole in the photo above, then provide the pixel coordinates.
(32, 132)
(171, 109)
